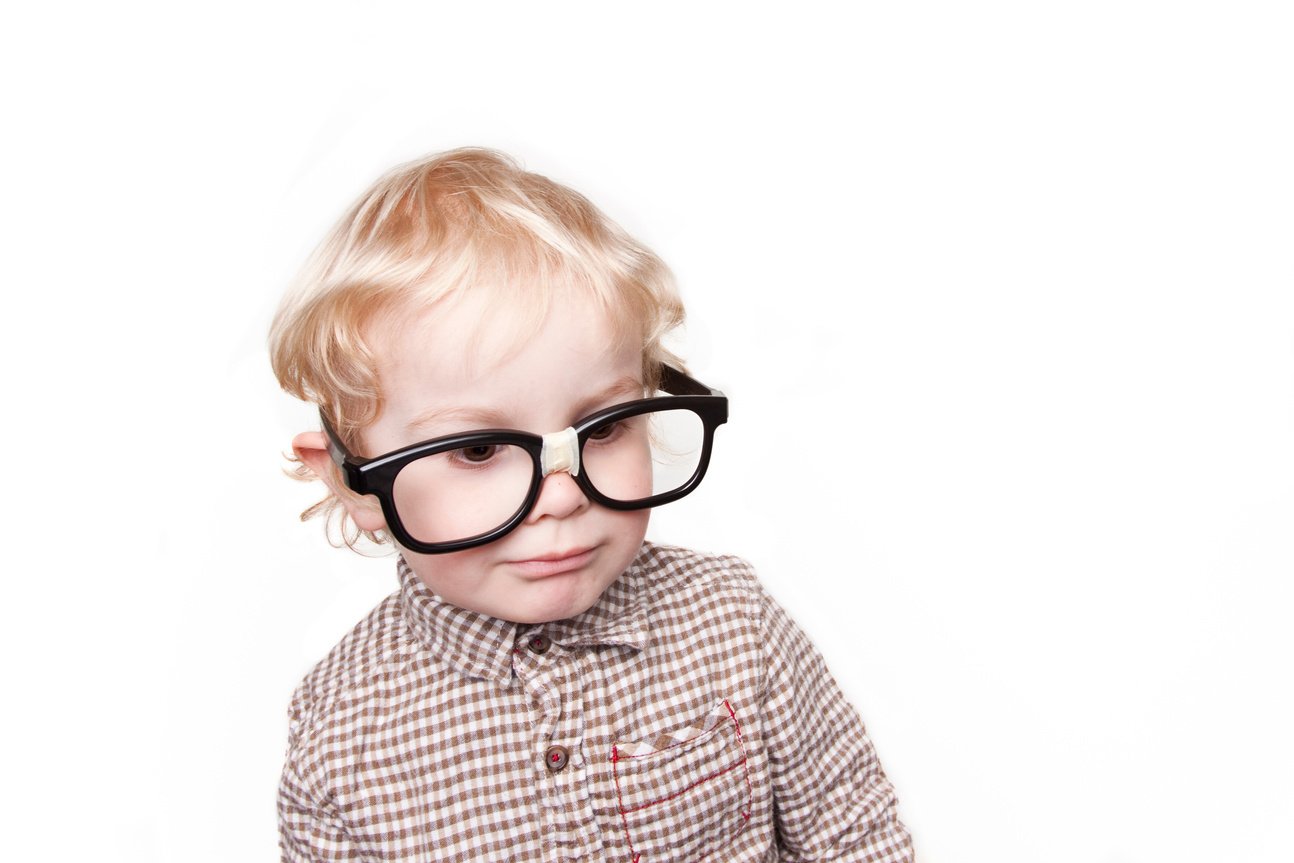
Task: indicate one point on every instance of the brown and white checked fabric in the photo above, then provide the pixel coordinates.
(684, 717)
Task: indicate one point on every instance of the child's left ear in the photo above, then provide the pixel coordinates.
(311, 448)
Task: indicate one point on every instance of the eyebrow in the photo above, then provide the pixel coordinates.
(471, 418)
(626, 387)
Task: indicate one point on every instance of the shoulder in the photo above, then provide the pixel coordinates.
(674, 576)
(365, 653)
(662, 564)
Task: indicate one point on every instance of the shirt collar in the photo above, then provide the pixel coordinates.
(481, 646)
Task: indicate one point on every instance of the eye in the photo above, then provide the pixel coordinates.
(478, 454)
(604, 432)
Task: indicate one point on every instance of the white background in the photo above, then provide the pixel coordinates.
(1001, 294)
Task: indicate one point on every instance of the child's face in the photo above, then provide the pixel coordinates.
(441, 375)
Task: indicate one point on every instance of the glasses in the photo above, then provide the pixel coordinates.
(463, 490)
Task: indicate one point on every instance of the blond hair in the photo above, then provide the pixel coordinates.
(466, 220)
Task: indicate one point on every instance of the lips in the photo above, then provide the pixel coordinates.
(555, 563)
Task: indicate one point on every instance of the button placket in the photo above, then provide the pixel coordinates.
(545, 680)
(563, 784)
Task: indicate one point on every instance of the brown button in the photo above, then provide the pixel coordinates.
(538, 643)
(556, 758)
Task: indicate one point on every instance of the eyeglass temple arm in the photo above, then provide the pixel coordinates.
(336, 448)
(677, 383)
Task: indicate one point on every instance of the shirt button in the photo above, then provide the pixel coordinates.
(538, 644)
(556, 758)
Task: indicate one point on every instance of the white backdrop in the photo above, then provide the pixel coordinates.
(1001, 294)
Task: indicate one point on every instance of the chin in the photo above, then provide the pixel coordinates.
(556, 598)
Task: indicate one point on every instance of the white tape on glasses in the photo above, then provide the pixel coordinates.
(561, 452)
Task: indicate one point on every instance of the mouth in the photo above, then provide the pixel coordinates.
(556, 563)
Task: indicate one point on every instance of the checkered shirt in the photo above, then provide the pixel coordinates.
(683, 717)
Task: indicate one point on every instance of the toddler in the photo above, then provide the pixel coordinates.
(485, 349)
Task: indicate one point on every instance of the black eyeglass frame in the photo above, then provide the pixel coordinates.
(376, 476)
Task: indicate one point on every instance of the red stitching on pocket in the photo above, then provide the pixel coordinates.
(615, 757)
(741, 738)
(620, 805)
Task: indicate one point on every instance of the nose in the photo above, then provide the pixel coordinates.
(559, 496)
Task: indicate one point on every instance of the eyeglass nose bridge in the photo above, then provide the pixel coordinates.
(561, 451)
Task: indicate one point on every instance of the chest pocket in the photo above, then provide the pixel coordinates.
(682, 796)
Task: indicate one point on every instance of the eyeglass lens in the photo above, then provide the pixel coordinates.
(463, 493)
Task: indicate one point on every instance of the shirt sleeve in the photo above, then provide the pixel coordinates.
(309, 832)
(832, 801)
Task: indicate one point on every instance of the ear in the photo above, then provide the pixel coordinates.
(312, 449)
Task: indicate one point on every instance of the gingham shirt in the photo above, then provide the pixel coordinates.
(684, 717)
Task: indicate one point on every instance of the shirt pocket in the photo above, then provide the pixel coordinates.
(684, 794)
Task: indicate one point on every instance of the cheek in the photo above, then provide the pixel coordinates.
(453, 577)
(628, 531)
(622, 470)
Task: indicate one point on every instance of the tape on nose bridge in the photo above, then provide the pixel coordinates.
(561, 452)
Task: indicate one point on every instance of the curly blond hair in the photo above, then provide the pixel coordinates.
(462, 221)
